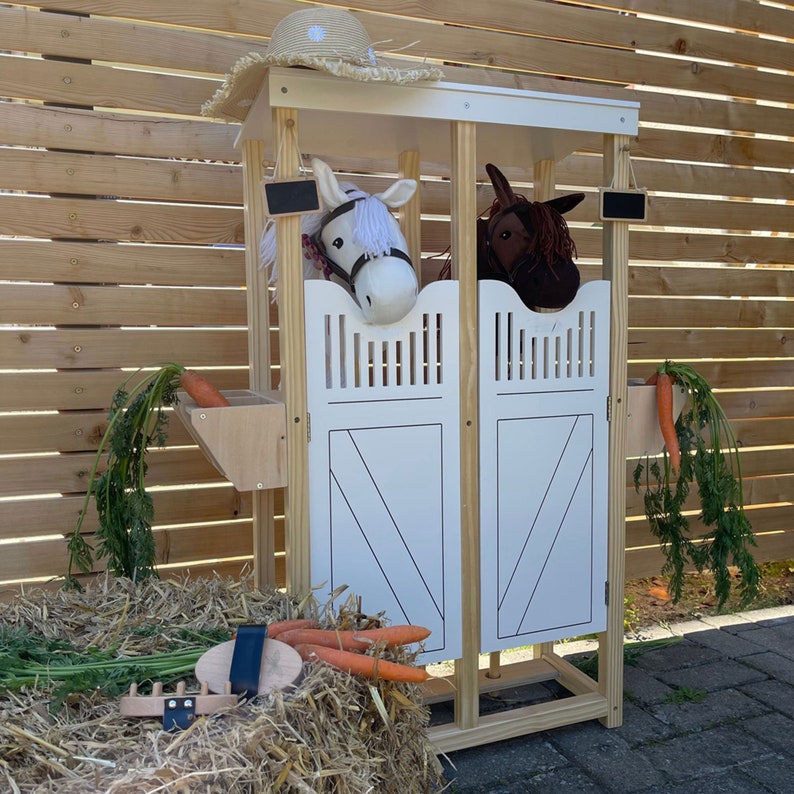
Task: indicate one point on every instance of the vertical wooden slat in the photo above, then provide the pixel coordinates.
(464, 258)
(616, 259)
(545, 184)
(253, 152)
(409, 214)
(293, 361)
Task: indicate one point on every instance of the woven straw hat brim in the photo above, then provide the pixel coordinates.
(234, 98)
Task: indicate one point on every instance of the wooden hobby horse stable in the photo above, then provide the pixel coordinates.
(456, 455)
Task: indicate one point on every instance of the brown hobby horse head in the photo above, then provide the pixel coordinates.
(527, 244)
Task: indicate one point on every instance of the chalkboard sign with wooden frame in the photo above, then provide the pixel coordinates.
(292, 197)
(622, 205)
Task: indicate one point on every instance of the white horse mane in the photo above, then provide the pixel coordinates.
(373, 230)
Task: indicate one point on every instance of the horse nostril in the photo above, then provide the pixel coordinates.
(369, 300)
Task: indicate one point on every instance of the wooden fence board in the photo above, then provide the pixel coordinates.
(85, 390)
(68, 474)
(128, 306)
(102, 86)
(34, 216)
(745, 16)
(734, 373)
(684, 344)
(573, 24)
(100, 263)
(50, 557)
(112, 40)
(660, 312)
(724, 281)
(74, 431)
(30, 519)
(115, 133)
(120, 177)
(69, 348)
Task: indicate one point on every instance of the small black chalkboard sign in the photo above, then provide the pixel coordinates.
(292, 197)
(622, 205)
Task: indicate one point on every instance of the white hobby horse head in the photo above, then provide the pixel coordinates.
(363, 245)
(358, 244)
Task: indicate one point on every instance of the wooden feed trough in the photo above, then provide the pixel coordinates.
(441, 506)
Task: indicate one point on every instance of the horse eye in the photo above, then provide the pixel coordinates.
(338, 243)
(505, 235)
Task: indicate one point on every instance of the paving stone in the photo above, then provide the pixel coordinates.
(672, 657)
(643, 688)
(775, 773)
(774, 729)
(503, 762)
(725, 643)
(769, 639)
(717, 708)
(641, 726)
(731, 782)
(773, 664)
(776, 694)
(705, 754)
(618, 767)
(724, 674)
(567, 779)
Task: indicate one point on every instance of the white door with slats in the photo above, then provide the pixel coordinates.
(384, 458)
(544, 380)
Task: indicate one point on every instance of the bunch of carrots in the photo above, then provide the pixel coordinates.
(346, 649)
(701, 450)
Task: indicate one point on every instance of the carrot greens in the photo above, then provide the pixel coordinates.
(137, 420)
(709, 460)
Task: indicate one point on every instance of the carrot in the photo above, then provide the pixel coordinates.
(653, 379)
(356, 640)
(328, 638)
(664, 406)
(282, 626)
(201, 390)
(359, 664)
(394, 635)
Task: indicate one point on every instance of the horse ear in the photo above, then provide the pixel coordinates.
(565, 203)
(504, 193)
(332, 193)
(401, 192)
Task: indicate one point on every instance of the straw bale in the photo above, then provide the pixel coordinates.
(331, 733)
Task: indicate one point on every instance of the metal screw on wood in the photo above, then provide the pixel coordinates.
(171, 704)
(202, 416)
(67, 80)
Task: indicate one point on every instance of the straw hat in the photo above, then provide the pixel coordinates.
(328, 39)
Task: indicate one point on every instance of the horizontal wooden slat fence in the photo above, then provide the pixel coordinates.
(121, 229)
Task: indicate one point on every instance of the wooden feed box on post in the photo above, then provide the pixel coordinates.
(465, 126)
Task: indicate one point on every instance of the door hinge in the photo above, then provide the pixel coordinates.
(609, 408)
(308, 427)
(606, 593)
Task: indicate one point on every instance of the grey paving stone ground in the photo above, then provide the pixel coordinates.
(711, 714)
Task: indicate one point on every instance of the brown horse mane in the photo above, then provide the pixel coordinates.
(551, 238)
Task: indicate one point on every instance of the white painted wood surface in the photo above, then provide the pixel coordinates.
(544, 380)
(384, 459)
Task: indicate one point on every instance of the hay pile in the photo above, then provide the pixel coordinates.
(332, 733)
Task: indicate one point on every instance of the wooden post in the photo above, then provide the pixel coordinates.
(409, 214)
(464, 260)
(545, 185)
(293, 361)
(616, 258)
(258, 345)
